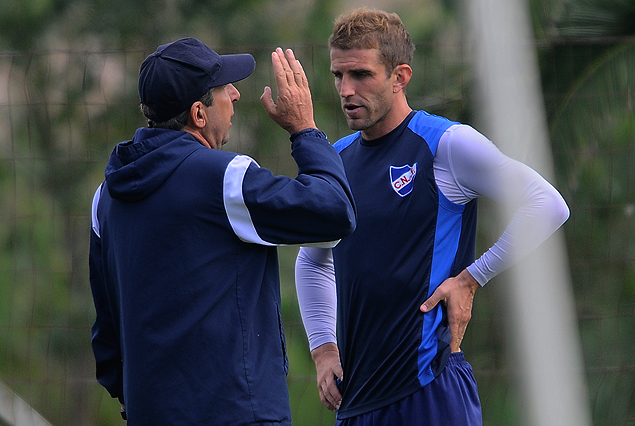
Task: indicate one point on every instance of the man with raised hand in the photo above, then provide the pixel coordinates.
(183, 258)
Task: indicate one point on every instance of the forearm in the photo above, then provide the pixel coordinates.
(315, 284)
(315, 207)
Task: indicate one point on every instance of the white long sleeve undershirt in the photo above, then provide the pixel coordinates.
(466, 166)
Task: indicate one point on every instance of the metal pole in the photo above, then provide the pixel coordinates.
(15, 412)
(543, 330)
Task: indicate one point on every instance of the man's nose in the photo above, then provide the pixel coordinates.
(346, 88)
(234, 93)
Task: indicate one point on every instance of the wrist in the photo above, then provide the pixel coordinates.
(470, 281)
(325, 349)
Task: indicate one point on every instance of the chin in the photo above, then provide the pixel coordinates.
(357, 125)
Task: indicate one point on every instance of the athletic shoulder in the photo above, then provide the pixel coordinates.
(344, 142)
(430, 127)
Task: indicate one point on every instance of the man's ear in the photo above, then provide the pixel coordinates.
(402, 74)
(198, 115)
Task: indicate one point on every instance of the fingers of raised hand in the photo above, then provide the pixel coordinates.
(287, 68)
(295, 66)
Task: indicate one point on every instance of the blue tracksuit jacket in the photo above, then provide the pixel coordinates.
(184, 274)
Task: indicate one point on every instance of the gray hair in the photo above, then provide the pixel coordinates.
(178, 122)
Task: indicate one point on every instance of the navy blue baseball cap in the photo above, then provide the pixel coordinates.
(180, 73)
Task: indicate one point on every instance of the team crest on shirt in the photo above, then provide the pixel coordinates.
(402, 178)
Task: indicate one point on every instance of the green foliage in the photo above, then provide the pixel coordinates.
(597, 18)
(22, 22)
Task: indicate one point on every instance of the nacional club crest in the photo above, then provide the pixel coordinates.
(402, 178)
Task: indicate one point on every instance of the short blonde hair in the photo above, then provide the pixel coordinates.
(374, 29)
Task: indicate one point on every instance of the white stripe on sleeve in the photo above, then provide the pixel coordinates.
(237, 211)
(95, 220)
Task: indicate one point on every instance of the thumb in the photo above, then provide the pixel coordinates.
(429, 304)
(267, 100)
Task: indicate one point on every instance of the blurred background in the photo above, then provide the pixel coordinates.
(68, 94)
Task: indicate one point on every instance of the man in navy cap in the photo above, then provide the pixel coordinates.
(183, 260)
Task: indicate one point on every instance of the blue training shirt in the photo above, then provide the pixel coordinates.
(409, 239)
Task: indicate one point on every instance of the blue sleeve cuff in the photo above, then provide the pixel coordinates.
(316, 133)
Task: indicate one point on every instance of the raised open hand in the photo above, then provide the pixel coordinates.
(293, 109)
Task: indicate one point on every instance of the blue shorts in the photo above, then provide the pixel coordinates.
(449, 400)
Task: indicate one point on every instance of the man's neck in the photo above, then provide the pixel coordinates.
(396, 116)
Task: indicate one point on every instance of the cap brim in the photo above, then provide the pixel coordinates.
(235, 68)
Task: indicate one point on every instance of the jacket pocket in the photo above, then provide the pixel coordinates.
(283, 342)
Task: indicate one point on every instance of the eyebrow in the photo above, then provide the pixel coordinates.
(367, 71)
